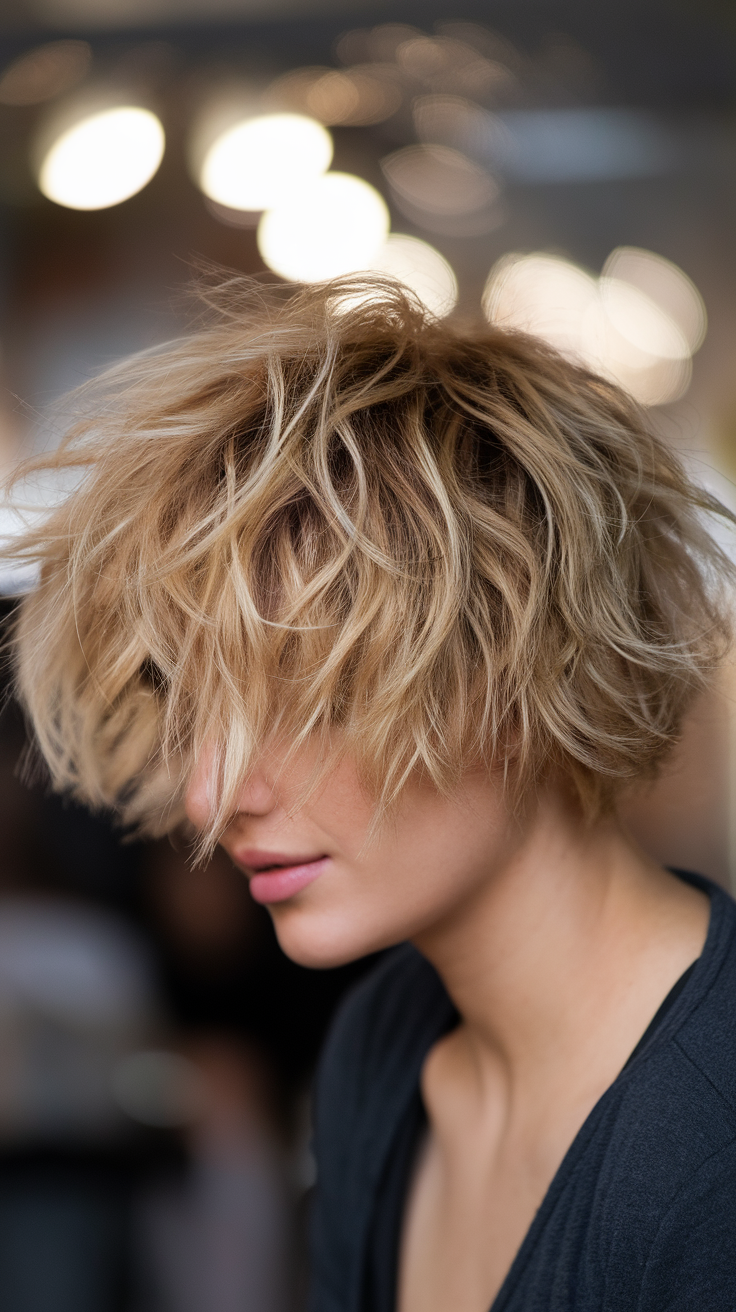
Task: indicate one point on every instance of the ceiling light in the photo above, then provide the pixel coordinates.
(608, 324)
(422, 269)
(356, 96)
(446, 64)
(103, 159)
(256, 163)
(540, 294)
(665, 284)
(439, 179)
(332, 226)
(442, 190)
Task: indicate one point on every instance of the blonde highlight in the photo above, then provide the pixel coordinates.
(333, 512)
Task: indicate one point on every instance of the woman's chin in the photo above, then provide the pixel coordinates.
(322, 941)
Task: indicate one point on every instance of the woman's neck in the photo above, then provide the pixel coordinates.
(561, 957)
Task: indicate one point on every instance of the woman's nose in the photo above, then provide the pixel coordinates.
(256, 797)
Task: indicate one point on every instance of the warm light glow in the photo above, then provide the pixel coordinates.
(640, 322)
(543, 295)
(44, 72)
(631, 340)
(609, 324)
(439, 180)
(445, 64)
(455, 121)
(358, 96)
(257, 163)
(443, 190)
(665, 284)
(375, 44)
(355, 96)
(335, 225)
(422, 269)
(103, 159)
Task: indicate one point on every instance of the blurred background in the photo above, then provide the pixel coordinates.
(565, 167)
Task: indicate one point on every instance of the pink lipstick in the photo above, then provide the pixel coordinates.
(276, 876)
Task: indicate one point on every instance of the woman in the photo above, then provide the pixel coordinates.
(397, 612)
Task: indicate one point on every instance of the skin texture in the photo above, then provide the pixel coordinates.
(556, 941)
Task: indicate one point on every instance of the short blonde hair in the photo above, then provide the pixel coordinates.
(331, 510)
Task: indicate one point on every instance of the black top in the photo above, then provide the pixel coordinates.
(641, 1214)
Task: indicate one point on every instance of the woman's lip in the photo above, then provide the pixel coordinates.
(259, 858)
(278, 885)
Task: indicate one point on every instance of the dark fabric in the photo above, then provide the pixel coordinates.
(660, 1014)
(641, 1214)
(382, 1256)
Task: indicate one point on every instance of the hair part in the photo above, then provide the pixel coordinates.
(425, 545)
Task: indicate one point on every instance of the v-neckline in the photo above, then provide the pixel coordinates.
(574, 1152)
(653, 1033)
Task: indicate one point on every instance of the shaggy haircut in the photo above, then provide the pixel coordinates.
(332, 511)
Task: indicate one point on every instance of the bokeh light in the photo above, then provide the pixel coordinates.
(442, 190)
(334, 225)
(540, 294)
(356, 96)
(417, 266)
(626, 336)
(443, 63)
(378, 43)
(665, 284)
(44, 72)
(609, 323)
(640, 321)
(103, 159)
(455, 121)
(256, 163)
(439, 179)
(422, 269)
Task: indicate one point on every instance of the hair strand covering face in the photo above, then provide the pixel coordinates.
(334, 519)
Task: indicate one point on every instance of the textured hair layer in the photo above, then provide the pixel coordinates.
(329, 514)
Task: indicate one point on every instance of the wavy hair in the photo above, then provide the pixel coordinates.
(332, 512)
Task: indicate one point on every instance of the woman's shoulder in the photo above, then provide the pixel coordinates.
(698, 1035)
(706, 1032)
(682, 1085)
(660, 1177)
